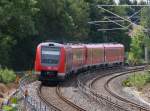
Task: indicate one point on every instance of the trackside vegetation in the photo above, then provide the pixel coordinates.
(7, 76)
(11, 107)
(26, 23)
(137, 80)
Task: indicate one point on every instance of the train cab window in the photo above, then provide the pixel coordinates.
(50, 56)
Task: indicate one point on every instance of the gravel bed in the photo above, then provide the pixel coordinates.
(24, 106)
(50, 95)
(116, 86)
(89, 104)
(131, 91)
(98, 86)
(72, 93)
(32, 90)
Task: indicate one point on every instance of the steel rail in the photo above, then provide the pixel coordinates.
(107, 74)
(60, 95)
(115, 95)
(34, 104)
(101, 76)
(54, 108)
(98, 97)
(133, 104)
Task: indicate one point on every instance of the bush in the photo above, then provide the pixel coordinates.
(7, 76)
(126, 83)
(137, 80)
(14, 100)
(7, 108)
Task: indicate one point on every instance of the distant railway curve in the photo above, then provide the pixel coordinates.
(134, 105)
(109, 101)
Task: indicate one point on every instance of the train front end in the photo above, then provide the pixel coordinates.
(50, 61)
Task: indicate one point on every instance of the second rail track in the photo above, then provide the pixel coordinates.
(108, 101)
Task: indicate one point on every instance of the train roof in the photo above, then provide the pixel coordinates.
(94, 45)
(82, 45)
(77, 45)
(51, 44)
(104, 45)
(113, 45)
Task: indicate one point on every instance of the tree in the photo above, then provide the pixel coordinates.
(62, 20)
(97, 14)
(25, 23)
(145, 22)
(136, 50)
(5, 48)
(16, 26)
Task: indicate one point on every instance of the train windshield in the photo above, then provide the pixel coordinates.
(50, 55)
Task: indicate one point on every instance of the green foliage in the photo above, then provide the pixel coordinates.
(14, 100)
(137, 80)
(8, 108)
(12, 107)
(16, 26)
(136, 51)
(98, 14)
(145, 22)
(5, 49)
(25, 23)
(63, 20)
(7, 76)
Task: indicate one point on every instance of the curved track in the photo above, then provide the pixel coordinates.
(54, 108)
(125, 103)
(105, 103)
(54, 98)
(133, 104)
(58, 91)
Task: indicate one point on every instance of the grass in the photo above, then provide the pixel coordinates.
(12, 105)
(8, 108)
(7, 76)
(137, 80)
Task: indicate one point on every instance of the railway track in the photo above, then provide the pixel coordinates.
(30, 103)
(53, 107)
(54, 98)
(131, 106)
(33, 101)
(59, 93)
(105, 102)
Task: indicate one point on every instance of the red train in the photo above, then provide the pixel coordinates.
(56, 61)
